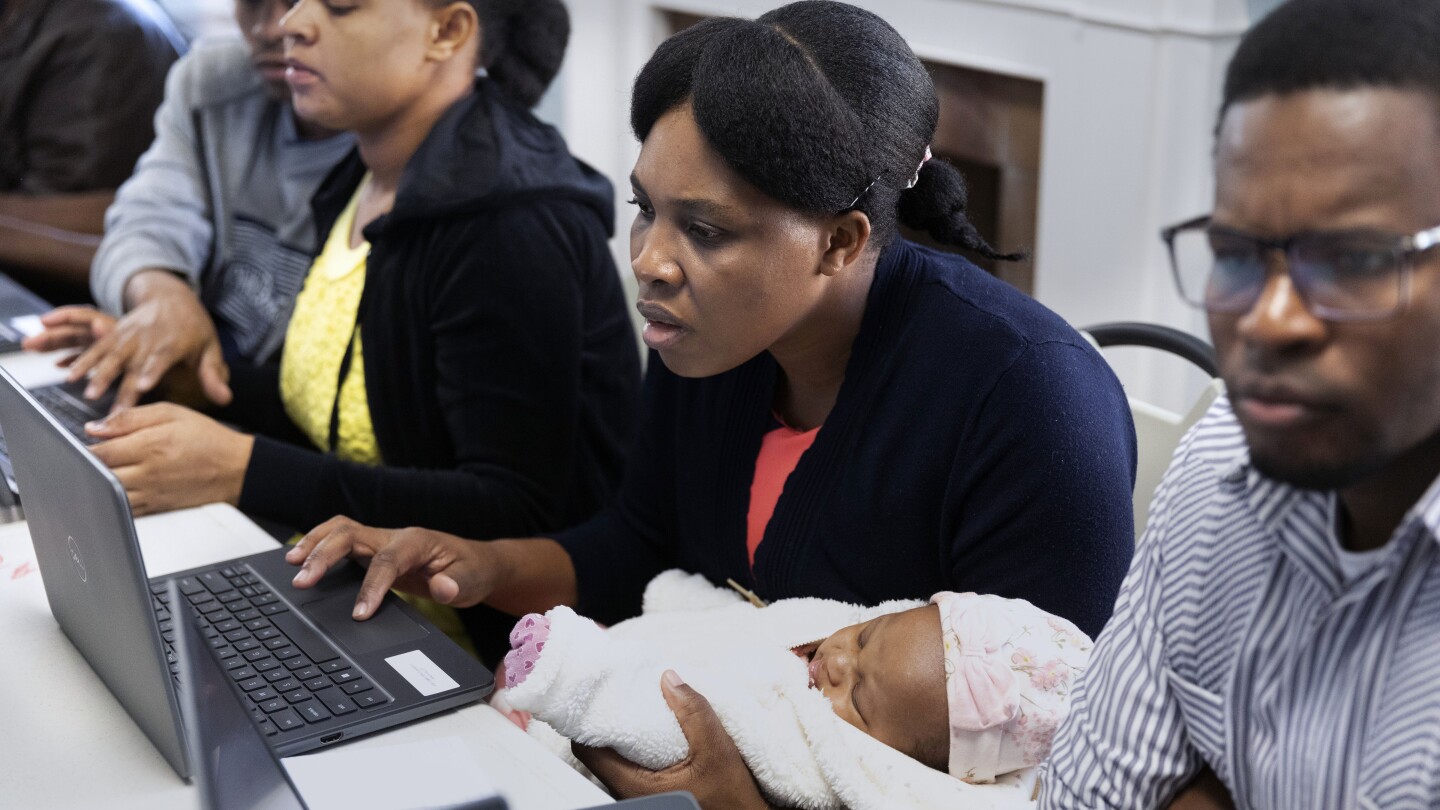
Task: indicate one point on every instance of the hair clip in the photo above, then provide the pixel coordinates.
(915, 178)
(863, 193)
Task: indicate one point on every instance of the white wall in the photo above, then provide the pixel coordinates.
(1131, 89)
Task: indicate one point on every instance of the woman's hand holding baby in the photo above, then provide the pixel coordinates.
(714, 771)
(517, 576)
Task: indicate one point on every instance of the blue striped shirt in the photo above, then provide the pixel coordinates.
(1238, 642)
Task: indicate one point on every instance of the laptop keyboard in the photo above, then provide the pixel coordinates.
(292, 676)
(66, 403)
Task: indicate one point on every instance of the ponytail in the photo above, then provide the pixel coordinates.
(937, 205)
(522, 45)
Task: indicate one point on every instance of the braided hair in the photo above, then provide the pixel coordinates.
(823, 107)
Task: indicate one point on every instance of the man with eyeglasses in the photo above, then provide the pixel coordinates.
(1279, 631)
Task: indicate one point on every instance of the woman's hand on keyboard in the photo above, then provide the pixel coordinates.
(170, 457)
(439, 566)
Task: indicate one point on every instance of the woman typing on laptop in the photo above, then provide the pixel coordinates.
(460, 355)
(832, 411)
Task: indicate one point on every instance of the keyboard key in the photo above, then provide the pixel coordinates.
(227, 626)
(262, 599)
(226, 653)
(344, 676)
(287, 653)
(267, 633)
(356, 686)
(229, 597)
(228, 571)
(277, 674)
(251, 684)
(366, 700)
(247, 615)
(268, 729)
(266, 665)
(255, 655)
(201, 597)
(317, 648)
(243, 673)
(272, 705)
(211, 607)
(219, 643)
(312, 711)
(254, 625)
(279, 643)
(316, 684)
(249, 591)
(235, 661)
(297, 664)
(335, 666)
(287, 685)
(246, 645)
(308, 673)
(237, 635)
(336, 701)
(215, 582)
(262, 695)
(190, 585)
(297, 696)
(286, 720)
(271, 610)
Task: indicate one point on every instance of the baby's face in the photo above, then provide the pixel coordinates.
(886, 677)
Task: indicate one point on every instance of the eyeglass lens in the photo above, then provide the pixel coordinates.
(1340, 277)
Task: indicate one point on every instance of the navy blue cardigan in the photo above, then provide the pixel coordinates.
(978, 443)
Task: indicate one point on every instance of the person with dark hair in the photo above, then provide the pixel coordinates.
(79, 84)
(830, 411)
(209, 240)
(460, 355)
(1277, 629)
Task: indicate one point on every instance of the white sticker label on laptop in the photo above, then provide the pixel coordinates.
(28, 325)
(417, 668)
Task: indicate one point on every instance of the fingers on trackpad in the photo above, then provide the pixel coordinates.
(387, 628)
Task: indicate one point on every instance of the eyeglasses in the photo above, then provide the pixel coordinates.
(1340, 276)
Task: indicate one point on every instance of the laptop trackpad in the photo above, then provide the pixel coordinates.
(387, 628)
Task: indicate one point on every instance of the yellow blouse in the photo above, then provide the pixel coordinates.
(322, 324)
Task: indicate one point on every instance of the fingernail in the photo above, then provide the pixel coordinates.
(672, 679)
(361, 608)
(95, 426)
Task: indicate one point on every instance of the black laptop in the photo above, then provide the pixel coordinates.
(310, 674)
(17, 304)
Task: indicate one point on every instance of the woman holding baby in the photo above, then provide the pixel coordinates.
(830, 410)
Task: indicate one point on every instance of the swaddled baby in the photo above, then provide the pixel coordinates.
(971, 686)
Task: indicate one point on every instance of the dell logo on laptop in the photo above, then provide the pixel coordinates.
(75, 558)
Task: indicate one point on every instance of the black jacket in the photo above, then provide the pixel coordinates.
(977, 444)
(500, 363)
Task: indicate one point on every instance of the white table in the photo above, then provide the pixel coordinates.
(65, 742)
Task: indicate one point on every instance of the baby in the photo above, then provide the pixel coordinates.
(971, 686)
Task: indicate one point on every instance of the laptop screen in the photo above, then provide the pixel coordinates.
(231, 762)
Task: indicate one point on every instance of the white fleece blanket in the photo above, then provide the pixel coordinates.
(602, 688)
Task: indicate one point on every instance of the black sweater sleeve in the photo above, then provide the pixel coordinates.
(1041, 500)
(619, 551)
(504, 297)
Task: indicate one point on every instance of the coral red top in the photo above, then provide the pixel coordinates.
(780, 451)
